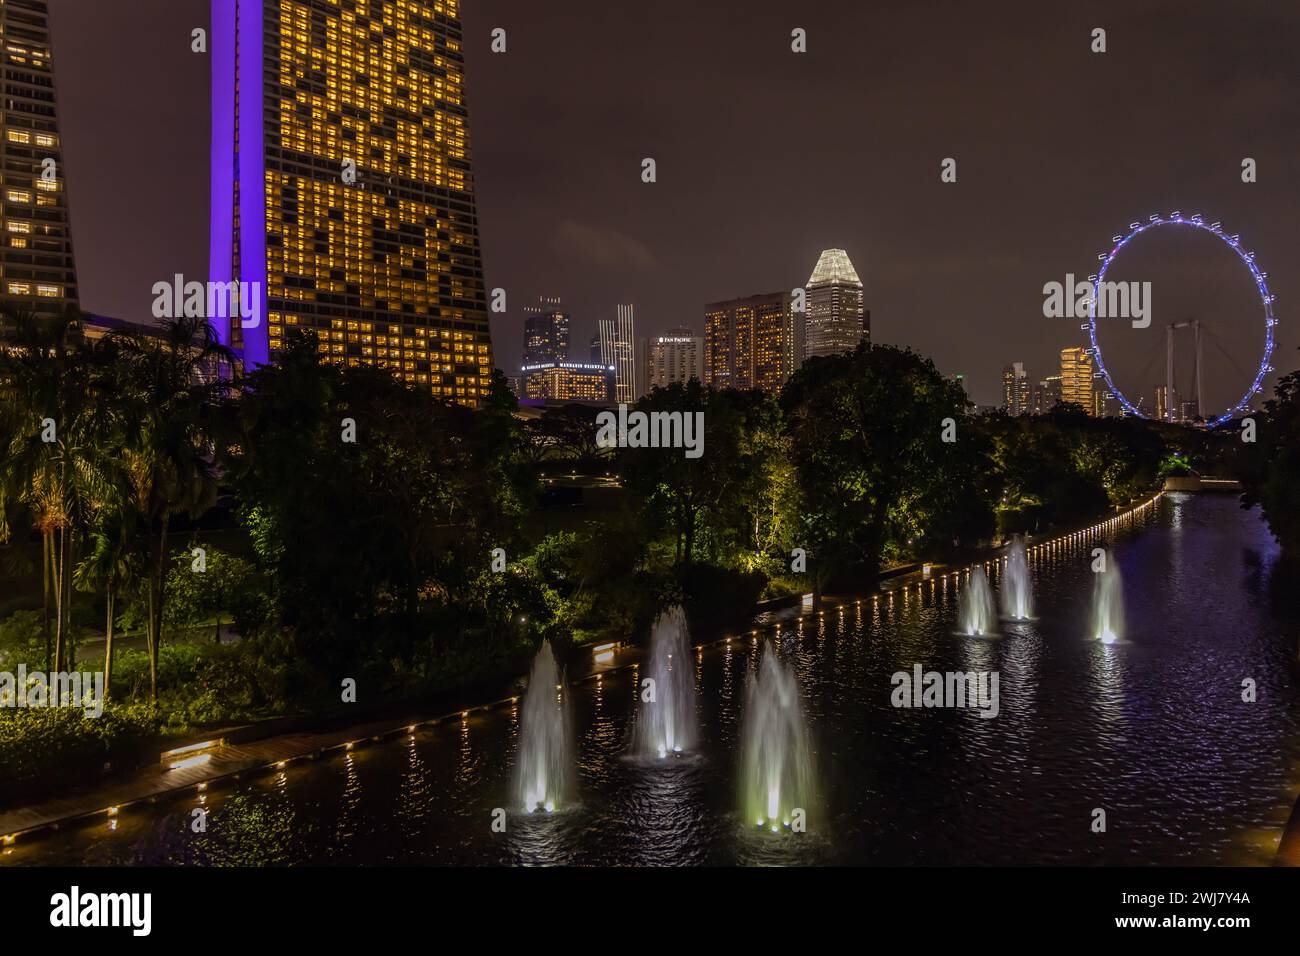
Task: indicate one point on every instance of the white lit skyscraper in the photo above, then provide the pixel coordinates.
(835, 320)
(617, 349)
(676, 356)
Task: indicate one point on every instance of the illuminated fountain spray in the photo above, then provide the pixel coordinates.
(1108, 604)
(667, 723)
(1017, 587)
(545, 769)
(776, 771)
(976, 613)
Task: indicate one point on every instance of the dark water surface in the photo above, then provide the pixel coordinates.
(1152, 729)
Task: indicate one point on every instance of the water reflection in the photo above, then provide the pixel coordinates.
(1201, 778)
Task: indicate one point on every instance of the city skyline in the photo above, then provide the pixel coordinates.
(953, 270)
(889, 518)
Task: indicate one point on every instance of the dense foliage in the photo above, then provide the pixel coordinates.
(1271, 470)
(371, 530)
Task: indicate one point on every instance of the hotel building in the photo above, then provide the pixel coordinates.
(676, 356)
(36, 265)
(342, 189)
(568, 382)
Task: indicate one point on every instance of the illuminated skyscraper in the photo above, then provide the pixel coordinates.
(567, 382)
(36, 265)
(677, 356)
(546, 332)
(617, 348)
(1047, 395)
(835, 320)
(1076, 378)
(342, 187)
(1015, 389)
(749, 343)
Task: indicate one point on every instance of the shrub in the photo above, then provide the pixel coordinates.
(63, 745)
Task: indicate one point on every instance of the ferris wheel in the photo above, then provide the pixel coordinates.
(1233, 242)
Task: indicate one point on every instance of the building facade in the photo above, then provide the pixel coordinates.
(1016, 398)
(618, 349)
(568, 382)
(342, 189)
(676, 356)
(546, 332)
(37, 271)
(749, 342)
(835, 320)
(1076, 378)
(1047, 394)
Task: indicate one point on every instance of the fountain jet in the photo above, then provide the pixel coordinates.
(1017, 586)
(1108, 604)
(776, 771)
(543, 777)
(667, 722)
(976, 612)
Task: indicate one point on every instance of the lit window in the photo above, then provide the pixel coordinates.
(19, 136)
(17, 225)
(18, 195)
(49, 291)
(19, 288)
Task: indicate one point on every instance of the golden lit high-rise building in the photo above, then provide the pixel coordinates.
(568, 382)
(1076, 378)
(342, 186)
(36, 265)
(749, 343)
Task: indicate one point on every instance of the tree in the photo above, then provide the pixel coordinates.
(720, 494)
(53, 414)
(866, 431)
(111, 564)
(170, 386)
(1270, 470)
(411, 495)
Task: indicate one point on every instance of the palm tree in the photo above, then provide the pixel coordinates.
(111, 564)
(53, 461)
(170, 385)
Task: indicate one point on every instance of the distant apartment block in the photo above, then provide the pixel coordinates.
(1015, 389)
(1076, 378)
(749, 343)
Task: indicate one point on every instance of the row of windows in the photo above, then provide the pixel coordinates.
(45, 291)
(26, 137)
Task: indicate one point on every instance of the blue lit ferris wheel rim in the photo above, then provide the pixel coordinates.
(1234, 243)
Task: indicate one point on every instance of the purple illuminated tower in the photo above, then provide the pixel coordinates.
(342, 188)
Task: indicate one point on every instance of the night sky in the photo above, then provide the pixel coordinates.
(765, 157)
